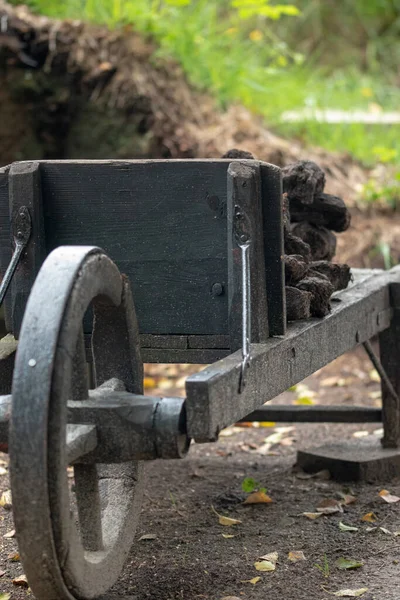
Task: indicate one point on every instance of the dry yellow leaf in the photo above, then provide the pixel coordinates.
(252, 581)
(296, 555)
(388, 497)
(227, 536)
(3, 471)
(227, 521)
(6, 500)
(14, 557)
(258, 498)
(369, 517)
(265, 565)
(311, 515)
(10, 534)
(271, 557)
(149, 382)
(350, 593)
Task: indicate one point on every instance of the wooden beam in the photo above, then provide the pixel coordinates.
(213, 399)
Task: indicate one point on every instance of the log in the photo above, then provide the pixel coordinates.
(321, 290)
(298, 304)
(338, 274)
(303, 181)
(326, 211)
(321, 241)
(235, 153)
(296, 268)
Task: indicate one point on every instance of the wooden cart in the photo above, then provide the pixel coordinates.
(190, 270)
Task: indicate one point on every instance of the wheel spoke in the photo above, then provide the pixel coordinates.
(89, 506)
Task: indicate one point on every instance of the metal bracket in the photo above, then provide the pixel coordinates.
(22, 229)
(242, 229)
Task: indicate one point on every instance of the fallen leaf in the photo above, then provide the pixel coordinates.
(369, 517)
(5, 596)
(227, 521)
(148, 536)
(374, 375)
(304, 401)
(347, 499)
(10, 534)
(329, 506)
(228, 536)
(329, 381)
(259, 497)
(303, 475)
(21, 581)
(344, 527)
(266, 424)
(378, 432)
(229, 431)
(384, 530)
(296, 556)
(271, 557)
(1, 575)
(323, 475)
(6, 500)
(231, 598)
(252, 581)
(3, 471)
(265, 565)
(348, 563)
(371, 529)
(350, 593)
(14, 557)
(311, 515)
(149, 382)
(388, 497)
(360, 434)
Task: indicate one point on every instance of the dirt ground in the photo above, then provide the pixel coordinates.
(190, 558)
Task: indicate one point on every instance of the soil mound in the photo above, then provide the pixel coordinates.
(73, 90)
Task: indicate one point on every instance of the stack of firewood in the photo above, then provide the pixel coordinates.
(310, 217)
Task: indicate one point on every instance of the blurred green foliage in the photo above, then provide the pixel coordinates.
(276, 57)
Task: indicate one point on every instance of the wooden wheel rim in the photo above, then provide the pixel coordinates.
(54, 559)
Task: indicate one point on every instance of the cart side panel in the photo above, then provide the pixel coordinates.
(163, 223)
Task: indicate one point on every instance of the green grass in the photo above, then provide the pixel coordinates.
(239, 58)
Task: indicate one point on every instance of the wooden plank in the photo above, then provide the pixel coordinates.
(213, 399)
(25, 190)
(162, 222)
(5, 237)
(164, 341)
(244, 215)
(208, 341)
(194, 357)
(271, 189)
(5, 233)
(389, 344)
(287, 413)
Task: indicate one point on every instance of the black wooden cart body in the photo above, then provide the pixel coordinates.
(199, 245)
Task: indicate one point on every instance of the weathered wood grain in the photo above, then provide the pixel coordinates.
(389, 344)
(25, 190)
(244, 199)
(272, 211)
(213, 400)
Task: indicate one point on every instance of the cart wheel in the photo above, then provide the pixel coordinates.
(67, 557)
